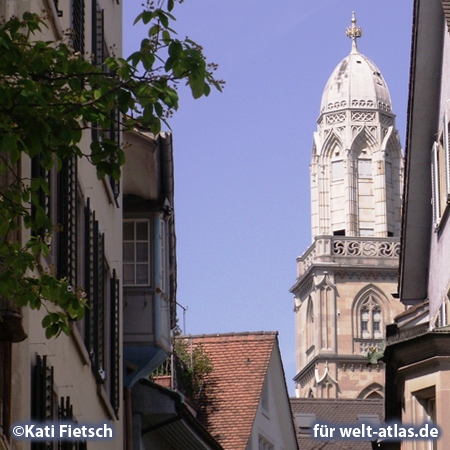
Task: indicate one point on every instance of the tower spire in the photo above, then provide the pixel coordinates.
(354, 33)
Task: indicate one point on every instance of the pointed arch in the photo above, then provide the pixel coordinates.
(363, 140)
(391, 143)
(369, 314)
(372, 391)
(331, 144)
(325, 385)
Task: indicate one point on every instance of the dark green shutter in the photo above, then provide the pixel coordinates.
(89, 277)
(67, 221)
(115, 342)
(78, 26)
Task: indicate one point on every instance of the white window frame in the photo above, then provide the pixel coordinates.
(435, 185)
(135, 241)
(446, 145)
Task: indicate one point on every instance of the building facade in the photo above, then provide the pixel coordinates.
(76, 377)
(346, 278)
(417, 352)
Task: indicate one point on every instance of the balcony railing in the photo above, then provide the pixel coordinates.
(351, 250)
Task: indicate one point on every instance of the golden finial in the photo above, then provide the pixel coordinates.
(354, 33)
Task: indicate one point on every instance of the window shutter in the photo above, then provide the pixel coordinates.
(89, 218)
(38, 172)
(59, 12)
(99, 303)
(98, 47)
(42, 400)
(67, 220)
(98, 36)
(42, 395)
(114, 135)
(115, 343)
(78, 26)
(435, 188)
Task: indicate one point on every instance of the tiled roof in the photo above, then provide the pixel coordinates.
(344, 411)
(230, 397)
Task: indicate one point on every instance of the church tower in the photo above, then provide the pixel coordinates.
(346, 278)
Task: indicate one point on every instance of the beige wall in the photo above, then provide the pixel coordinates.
(73, 375)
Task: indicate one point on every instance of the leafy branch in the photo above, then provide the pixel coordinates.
(49, 99)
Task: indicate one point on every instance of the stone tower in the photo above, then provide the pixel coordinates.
(346, 278)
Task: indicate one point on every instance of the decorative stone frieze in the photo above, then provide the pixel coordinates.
(363, 116)
(337, 105)
(363, 103)
(366, 248)
(336, 118)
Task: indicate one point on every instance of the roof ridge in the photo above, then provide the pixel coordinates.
(231, 333)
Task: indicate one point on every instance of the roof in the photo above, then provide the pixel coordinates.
(423, 117)
(229, 401)
(166, 417)
(356, 82)
(343, 411)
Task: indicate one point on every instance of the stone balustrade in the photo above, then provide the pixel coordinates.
(352, 251)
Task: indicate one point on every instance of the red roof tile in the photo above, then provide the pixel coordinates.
(230, 397)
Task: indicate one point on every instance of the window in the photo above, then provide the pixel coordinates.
(424, 410)
(446, 149)
(102, 318)
(136, 252)
(114, 344)
(364, 168)
(370, 319)
(100, 52)
(67, 220)
(264, 444)
(45, 406)
(440, 173)
(435, 184)
(337, 170)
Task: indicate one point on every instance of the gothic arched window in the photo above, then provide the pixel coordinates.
(310, 325)
(370, 316)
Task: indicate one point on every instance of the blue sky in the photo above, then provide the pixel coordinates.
(242, 196)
